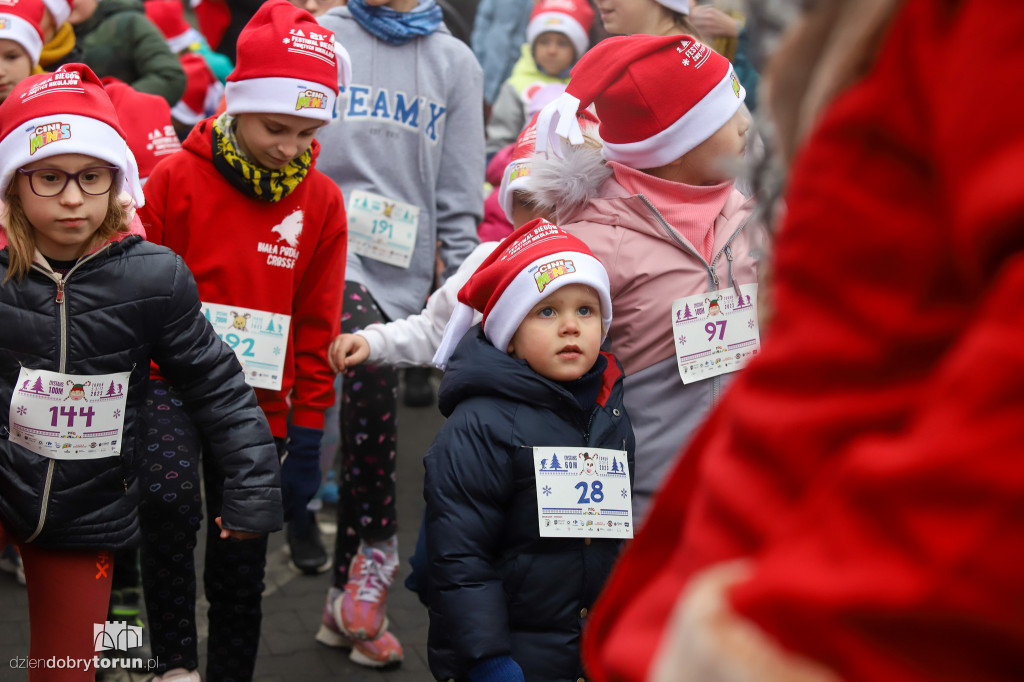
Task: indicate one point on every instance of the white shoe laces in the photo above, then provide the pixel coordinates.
(375, 578)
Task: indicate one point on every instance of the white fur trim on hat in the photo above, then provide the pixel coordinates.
(60, 10)
(183, 40)
(524, 292)
(559, 22)
(308, 99)
(22, 32)
(698, 124)
(515, 178)
(56, 134)
(681, 6)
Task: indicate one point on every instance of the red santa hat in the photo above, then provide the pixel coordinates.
(681, 6)
(21, 21)
(202, 90)
(287, 63)
(657, 98)
(60, 10)
(571, 18)
(36, 123)
(147, 124)
(169, 17)
(529, 265)
(517, 172)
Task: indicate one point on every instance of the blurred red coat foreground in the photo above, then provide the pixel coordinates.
(854, 510)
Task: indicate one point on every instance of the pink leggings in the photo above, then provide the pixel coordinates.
(68, 594)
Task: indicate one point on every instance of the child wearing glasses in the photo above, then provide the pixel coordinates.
(87, 305)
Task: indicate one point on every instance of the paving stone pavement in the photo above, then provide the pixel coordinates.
(293, 603)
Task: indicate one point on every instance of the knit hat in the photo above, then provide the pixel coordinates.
(529, 265)
(147, 124)
(681, 6)
(657, 98)
(169, 17)
(35, 124)
(60, 10)
(571, 18)
(517, 172)
(22, 22)
(287, 63)
(202, 90)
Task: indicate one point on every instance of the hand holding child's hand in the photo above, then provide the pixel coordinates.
(226, 533)
(347, 350)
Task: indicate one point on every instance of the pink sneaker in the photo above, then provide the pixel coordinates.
(362, 611)
(383, 652)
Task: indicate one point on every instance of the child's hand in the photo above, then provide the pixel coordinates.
(226, 533)
(347, 350)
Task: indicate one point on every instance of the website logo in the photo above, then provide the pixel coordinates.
(116, 635)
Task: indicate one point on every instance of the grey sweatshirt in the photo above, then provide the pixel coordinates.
(410, 127)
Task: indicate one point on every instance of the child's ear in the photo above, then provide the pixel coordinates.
(511, 350)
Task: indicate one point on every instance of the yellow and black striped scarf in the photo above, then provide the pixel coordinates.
(250, 179)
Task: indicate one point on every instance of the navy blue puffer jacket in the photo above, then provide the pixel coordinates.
(123, 305)
(497, 587)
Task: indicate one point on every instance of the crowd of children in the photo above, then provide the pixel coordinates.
(177, 351)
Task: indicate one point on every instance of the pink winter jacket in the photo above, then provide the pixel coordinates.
(650, 265)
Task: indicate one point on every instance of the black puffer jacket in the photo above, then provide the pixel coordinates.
(497, 587)
(128, 302)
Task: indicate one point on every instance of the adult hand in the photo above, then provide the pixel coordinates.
(300, 469)
(346, 351)
(713, 22)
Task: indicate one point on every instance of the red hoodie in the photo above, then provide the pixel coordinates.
(229, 242)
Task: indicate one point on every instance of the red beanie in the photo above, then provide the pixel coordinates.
(287, 63)
(202, 90)
(147, 124)
(35, 123)
(571, 18)
(169, 17)
(21, 21)
(657, 98)
(529, 265)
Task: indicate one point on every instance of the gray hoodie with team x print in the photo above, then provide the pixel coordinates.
(409, 134)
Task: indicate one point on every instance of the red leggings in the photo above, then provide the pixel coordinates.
(68, 593)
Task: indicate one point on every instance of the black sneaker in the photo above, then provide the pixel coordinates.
(419, 392)
(307, 550)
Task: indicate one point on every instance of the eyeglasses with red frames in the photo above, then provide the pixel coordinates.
(50, 182)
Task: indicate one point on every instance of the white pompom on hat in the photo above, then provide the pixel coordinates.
(60, 10)
(21, 22)
(36, 123)
(287, 63)
(656, 97)
(529, 265)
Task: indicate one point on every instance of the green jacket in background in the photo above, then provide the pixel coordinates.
(118, 40)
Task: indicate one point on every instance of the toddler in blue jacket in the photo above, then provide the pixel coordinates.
(527, 483)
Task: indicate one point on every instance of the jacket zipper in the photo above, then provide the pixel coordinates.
(713, 280)
(59, 300)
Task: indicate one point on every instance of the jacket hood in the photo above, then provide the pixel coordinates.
(478, 369)
(200, 140)
(560, 186)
